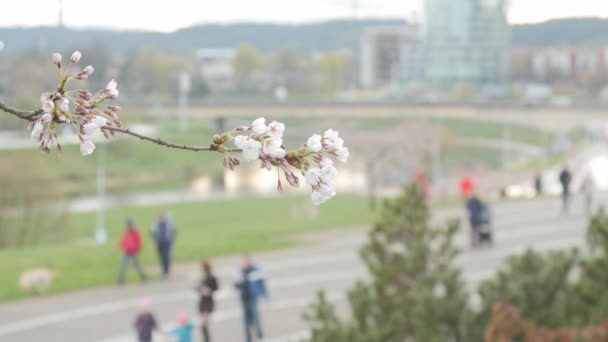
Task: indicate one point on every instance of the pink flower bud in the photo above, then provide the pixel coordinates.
(75, 57)
(85, 73)
(85, 95)
(279, 185)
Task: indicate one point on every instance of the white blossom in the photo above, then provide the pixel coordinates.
(65, 105)
(276, 129)
(313, 176)
(86, 147)
(239, 141)
(111, 89)
(332, 140)
(99, 121)
(56, 58)
(113, 94)
(328, 171)
(37, 130)
(251, 149)
(46, 118)
(342, 154)
(317, 198)
(323, 193)
(314, 143)
(111, 85)
(45, 96)
(89, 128)
(75, 57)
(258, 127)
(330, 134)
(48, 106)
(272, 147)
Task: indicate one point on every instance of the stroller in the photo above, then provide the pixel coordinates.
(485, 229)
(480, 218)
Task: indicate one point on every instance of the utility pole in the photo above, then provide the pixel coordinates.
(101, 234)
(506, 146)
(184, 90)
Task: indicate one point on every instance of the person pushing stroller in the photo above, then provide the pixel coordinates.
(480, 221)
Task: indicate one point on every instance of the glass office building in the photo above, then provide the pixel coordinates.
(466, 41)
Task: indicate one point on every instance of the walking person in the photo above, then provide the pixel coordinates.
(251, 285)
(183, 332)
(145, 322)
(478, 218)
(565, 178)
(466, 186)
(130, 244)
(163, 233)
(206, 304)
(538, 184)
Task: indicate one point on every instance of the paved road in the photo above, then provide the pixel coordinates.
(328, 261)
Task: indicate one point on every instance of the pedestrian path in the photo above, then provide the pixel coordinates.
(329, 261)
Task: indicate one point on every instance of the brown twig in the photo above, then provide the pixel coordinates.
(26, 115)
(32, 115)
(161, 142)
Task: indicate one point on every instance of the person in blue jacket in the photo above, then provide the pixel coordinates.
(478, 217)
(251, 284)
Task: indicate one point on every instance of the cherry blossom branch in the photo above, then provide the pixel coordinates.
(26, 115)
(32, 116)
(159, 141)
(87, 114)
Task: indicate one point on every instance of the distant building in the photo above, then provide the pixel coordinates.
(552, 63)
(216, 67)
(390, 54)
(466, 41)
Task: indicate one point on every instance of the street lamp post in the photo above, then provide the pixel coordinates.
(101, 234)
(185, 85)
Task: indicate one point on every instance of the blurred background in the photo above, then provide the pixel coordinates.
(501, 91)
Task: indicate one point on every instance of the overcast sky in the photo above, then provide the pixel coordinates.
(169, 15)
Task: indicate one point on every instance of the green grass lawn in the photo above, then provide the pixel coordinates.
(206, 229)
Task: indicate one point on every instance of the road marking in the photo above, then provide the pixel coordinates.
(65, 316)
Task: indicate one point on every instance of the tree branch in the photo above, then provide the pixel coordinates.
(32, 115)
(161, 142)
(26, 115)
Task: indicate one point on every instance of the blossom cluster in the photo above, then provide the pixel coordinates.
(312, 160)
(84, 111)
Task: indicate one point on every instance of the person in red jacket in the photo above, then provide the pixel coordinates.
(130, 244)
(466, 187)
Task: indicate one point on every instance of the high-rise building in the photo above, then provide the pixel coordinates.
(466, 41)
(390, 55)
